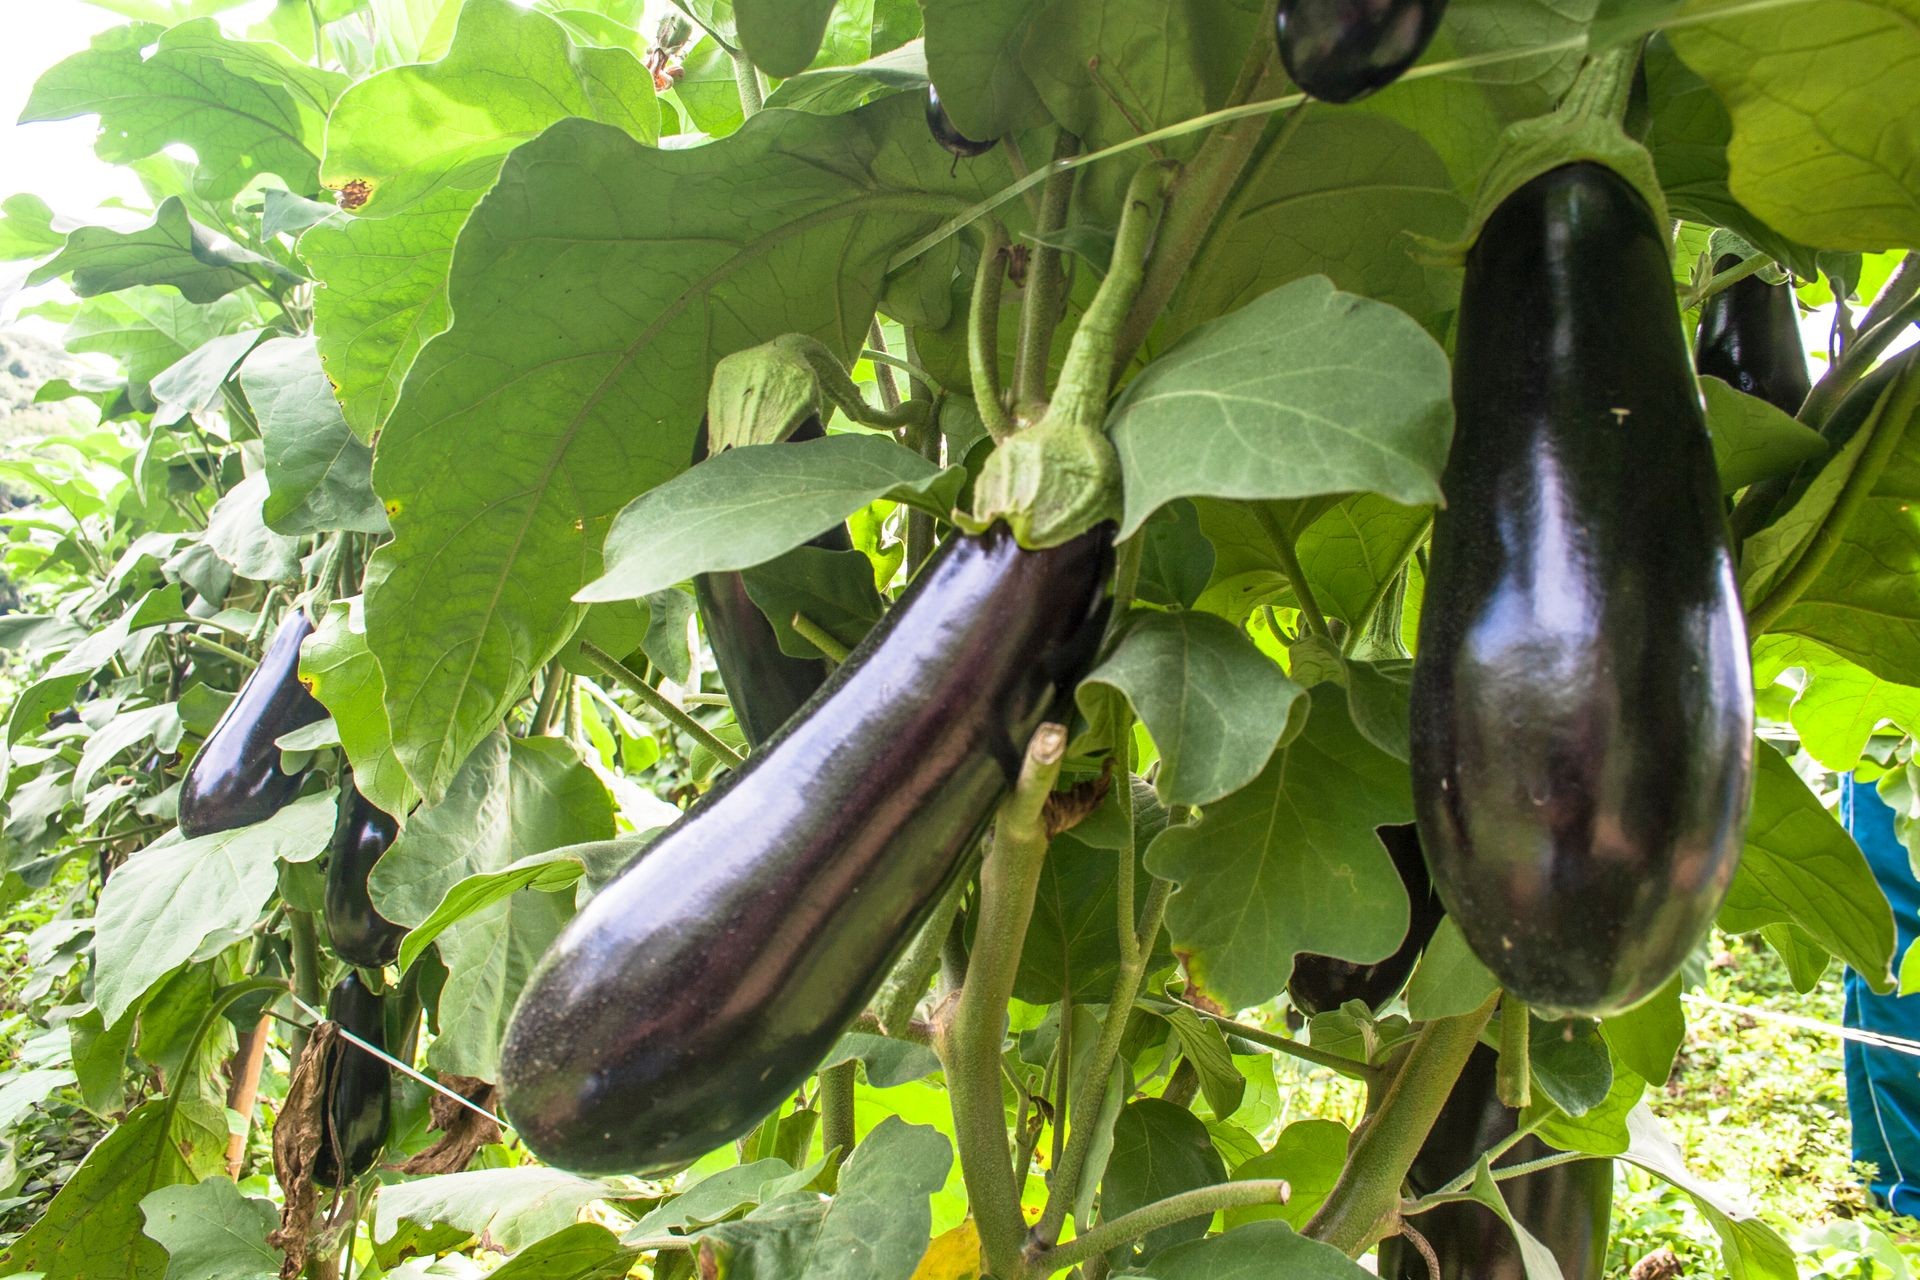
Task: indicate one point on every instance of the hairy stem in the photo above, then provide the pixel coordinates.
(558, 679)
(306, 970)
(969, 1042)
(1161, 1213)
(615, 669)
(819, 637)
(1046, 283)
(1291, 568)
(908, 983)
(1513, 1077)
(836, 1109)
(747, 80)
(882, 371)
(1351, 1067)
(983, 331)
(1367, 1194)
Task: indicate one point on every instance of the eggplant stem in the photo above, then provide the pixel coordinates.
(1128, 1227)
(819, 637)
(836, 1109)
(882, 371)
(1293, 571)
(983, 331)
(615, 669)
(1046, 281)
(1513, 1077)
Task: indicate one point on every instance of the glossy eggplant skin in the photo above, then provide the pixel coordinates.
(359, 1106)
(940, 124)
(1566, 1207)
(362, 831)
(1343, 50)
(700, 988)
(1321, 984)
(1582, 707)
(1749, 337)
(236, 779)
(765, 684)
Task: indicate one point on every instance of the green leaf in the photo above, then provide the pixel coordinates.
(1647, 1037)
(1309, 1154)
(151, 330)
(583, 1251)
(25, 1090)
(1256, 1251)
(428, 141)
(750, 504)
(1071, 944)
(244, 109)
(973, 54)
(1753, 440)
(1159, 1150)
(29, 229)
(879, 1222)
(889, 1062)
(1536, 1260)
(1826, 130)
(1601, 1129)
(157, 910)
(1302, 391)
(212, 1232)
(782, 36)
(1570, 1063)
(514, 1207)
(343, 675)
(320, 478)
(1289, 863)
(1204, 1045)
(237, 532)
(832, 91)
(54, 690)
(514, 796)
(1215, 705)
(1750, 1249)
(604, 387)
(174, 251)
(1839, 705)
(92, 1229)
(1801, 866)
(192, 385)
(833, 589)
(1450, 980)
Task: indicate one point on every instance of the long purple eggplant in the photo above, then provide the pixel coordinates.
(236, 779)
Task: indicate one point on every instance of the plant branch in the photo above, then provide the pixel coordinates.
(882, 372)
(1856, 363)
(214, 646)
(1691, 298)
(1368, 1191)
(1513, 1077)
(747, 80)
(819, 637)
(969, 1041)
(1161, 1213)
(983, 331)
(615, 669)
(1295, 575)
(1350, 1067)
(306, 971)
(1901, 286)
(901, 994)
(1046, 283)
(549, 704)
(1885, 427)
(836, 1109)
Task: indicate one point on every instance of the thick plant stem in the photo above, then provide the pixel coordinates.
(882, 371)
(615, 669)
(1364, 1200)
(908, 983)
(1885, 427)
(558, 679)
(1046, 284)
(306, 970)
(1857, 363)
(836, 1108)
(747, 80)
(1513, 1078)
(819, 637)
(1161, 1213)
(1296, 574)
(969, 1040)
(1346, 1066)
(983, 332)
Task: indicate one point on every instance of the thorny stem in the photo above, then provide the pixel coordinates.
(1367, 1194)
(983, 331)
(615, 669)
(1046, 284)
(1161, 1213)
(969, 1038)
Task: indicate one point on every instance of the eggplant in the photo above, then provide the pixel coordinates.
(1749, 338)
(1343, 50)
(362, 831)
(1582, 705)
(359, 1105)
(1321, 984)
(698, 990)
(235, 780)
(1566, 1208)
(765, 684)
(940, 124)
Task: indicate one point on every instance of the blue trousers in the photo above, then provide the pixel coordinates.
(1883, 1085)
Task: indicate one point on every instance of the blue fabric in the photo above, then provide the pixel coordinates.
(1883, 1086)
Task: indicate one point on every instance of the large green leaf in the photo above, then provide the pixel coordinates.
(417, 146)
(1309, 1154)
(782, 35)
(1751, 1250)
(1289, 863)
(29, 228)
(1215, 705)
(1256, 1251)
(1826, 116)
(1801, 866)
(1072, 944)
(245, 109)
(320, 477)
(1752, 439)
(973, 55)
(1302, 391)
(212, 1232)
(54, 690)
(588, 314)
(511, 1207)
(93, 1228)
(343, 675)
(1839, 705)
(583, 1251)
(157, 910)
(150, 330)
(749, 504)
(174, 250)
(514, 797)
(1159, 1150)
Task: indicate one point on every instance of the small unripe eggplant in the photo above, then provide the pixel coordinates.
(1343, 50)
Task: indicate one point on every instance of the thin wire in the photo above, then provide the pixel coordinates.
(1572, 44)
(1897, 1044)
(392, 1061)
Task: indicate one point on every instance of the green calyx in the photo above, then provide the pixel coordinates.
(1056, 479)
(1585, 126)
